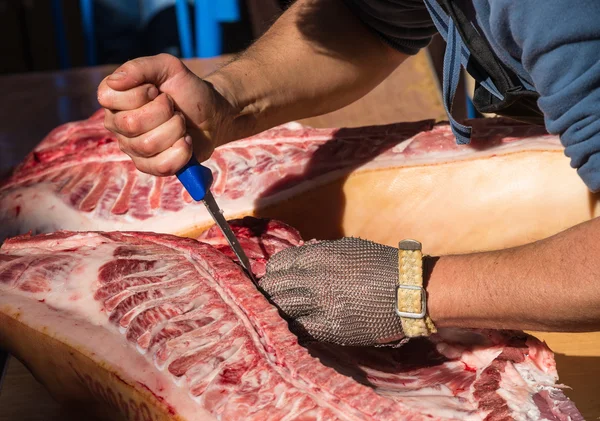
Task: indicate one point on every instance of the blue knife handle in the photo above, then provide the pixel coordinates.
(196, 178)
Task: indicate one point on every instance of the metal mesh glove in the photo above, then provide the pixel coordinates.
(339, 291)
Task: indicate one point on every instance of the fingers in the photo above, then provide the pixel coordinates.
(167, 162)
(147, 127)
(289, 293)
(154, 136)
(283, 260)
(305, 258)
(155, 141)
(155, 70)
(126, 100)
(136, 122)
(139, 81)
(296, 302)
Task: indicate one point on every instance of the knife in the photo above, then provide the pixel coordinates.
(197, 180)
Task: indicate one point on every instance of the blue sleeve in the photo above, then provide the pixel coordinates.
(558, 44)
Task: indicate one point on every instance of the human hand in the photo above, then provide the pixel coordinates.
(341, 291)
(161, 112)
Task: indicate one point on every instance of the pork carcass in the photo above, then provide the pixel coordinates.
(144, 326)
(383, 183)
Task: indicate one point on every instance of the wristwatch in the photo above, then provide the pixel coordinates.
(411, 297)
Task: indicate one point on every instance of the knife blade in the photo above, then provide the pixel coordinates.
(217, 214)
(197, 180)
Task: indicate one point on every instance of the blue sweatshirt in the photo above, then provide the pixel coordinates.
(553, 44)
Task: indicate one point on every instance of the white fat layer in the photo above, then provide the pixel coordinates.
(480, 358)
(441, 407)
(71, 298)
(71, 290)
(71, 293)
(81, 322)
(39, 202)
(103, 346)
(436, 400)
(518, 384)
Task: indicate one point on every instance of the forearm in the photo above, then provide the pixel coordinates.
(317, 57)
(550, 285)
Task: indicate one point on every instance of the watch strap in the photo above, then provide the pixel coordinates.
(411, 297)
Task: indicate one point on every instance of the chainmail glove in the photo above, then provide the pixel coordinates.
(339, 291)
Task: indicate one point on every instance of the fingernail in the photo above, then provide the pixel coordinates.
(152, 92)
(117, 76)
(188, 139)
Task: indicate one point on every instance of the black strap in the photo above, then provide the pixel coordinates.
(519, 102)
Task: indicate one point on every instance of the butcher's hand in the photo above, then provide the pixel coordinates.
(161, 112)
(339, 291)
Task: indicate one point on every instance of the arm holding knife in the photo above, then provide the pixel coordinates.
(154, 103)
(161, 112)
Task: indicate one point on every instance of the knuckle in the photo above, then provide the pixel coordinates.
(164, 168)
(169, 60)
(140, 164)
(130, 65)
(147, 146)
(142, 93)
(128, 124)
(161, 108)
(172, 65)
(165, 57)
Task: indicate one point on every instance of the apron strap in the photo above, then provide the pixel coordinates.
(451, 77)
(456, 54)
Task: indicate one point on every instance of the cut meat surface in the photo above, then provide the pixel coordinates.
(381, 183)
(175, 329)
(260, 239)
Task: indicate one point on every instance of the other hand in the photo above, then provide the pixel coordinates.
(161, 113)
(341, 291)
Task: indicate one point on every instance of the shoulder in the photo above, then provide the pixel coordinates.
(557, 43)
(540, 25)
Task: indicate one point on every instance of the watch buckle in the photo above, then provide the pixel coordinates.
(408, 314)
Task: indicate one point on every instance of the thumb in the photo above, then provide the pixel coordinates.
(155, 70)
